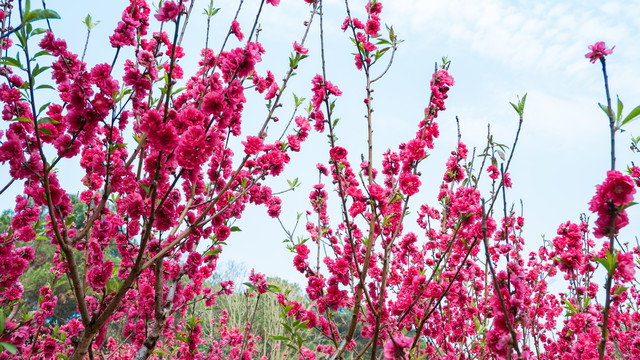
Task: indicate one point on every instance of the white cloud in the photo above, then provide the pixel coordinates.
(526, 35)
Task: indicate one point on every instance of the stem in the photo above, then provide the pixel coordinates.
(86, 43)
(514, 337)
(612, 124)
(612, 129)
(607, 304)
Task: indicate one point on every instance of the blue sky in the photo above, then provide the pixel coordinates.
(499, 50)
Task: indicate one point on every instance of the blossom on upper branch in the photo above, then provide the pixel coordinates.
(299, 49)
(598, 51)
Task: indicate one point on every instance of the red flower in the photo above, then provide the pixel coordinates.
(338, 153)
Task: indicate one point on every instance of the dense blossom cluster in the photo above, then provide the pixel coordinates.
(147, 209)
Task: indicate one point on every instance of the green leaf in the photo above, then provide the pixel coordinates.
(145, 187)
(620, 290)
(2, 321)
(569, 306)
(45, 86)
(278, 338)
(89, 23)
(42, 108)
(520, 107)
(604, 108)
(521, 103)
(45, 131)
(9, 347)
(41, 53)
(6, 60)
(212, 252)
(38, 31)
(632, 115)
(514, 106)
(620, 106)
(235, 229)
(286, 326)
(47, 120)
(23, 119)
(36, 15)
(609, 263)
(37, 70)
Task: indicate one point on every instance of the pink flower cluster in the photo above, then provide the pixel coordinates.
(610, 201)
(321, 91)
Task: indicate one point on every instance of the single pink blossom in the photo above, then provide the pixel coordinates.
(299, 49)
(598, 51)
(169, 11)
(409, 183)
(253, 145)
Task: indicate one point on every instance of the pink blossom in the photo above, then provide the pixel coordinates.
(299, 49)
(335, 297)
(259, 281)
(235, 29)
(338, 153)
(598, 51)
(345, 24)
(397, 348)
(377, 192)
(373, 26)
(368, 46)
(409, 183)
(611, 197)
(493, 172)
(626, 267)
(169, 11)
(253, 145)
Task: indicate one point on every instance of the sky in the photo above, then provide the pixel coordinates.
(499, 50)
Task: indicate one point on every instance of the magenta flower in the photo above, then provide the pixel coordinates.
(409, 183)
(253, 145)
(299, 49)
(626, 269)
(395, 349)
(338, 153)
(611, 197)
(598, 51)
(168, 11)
(235, 29)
